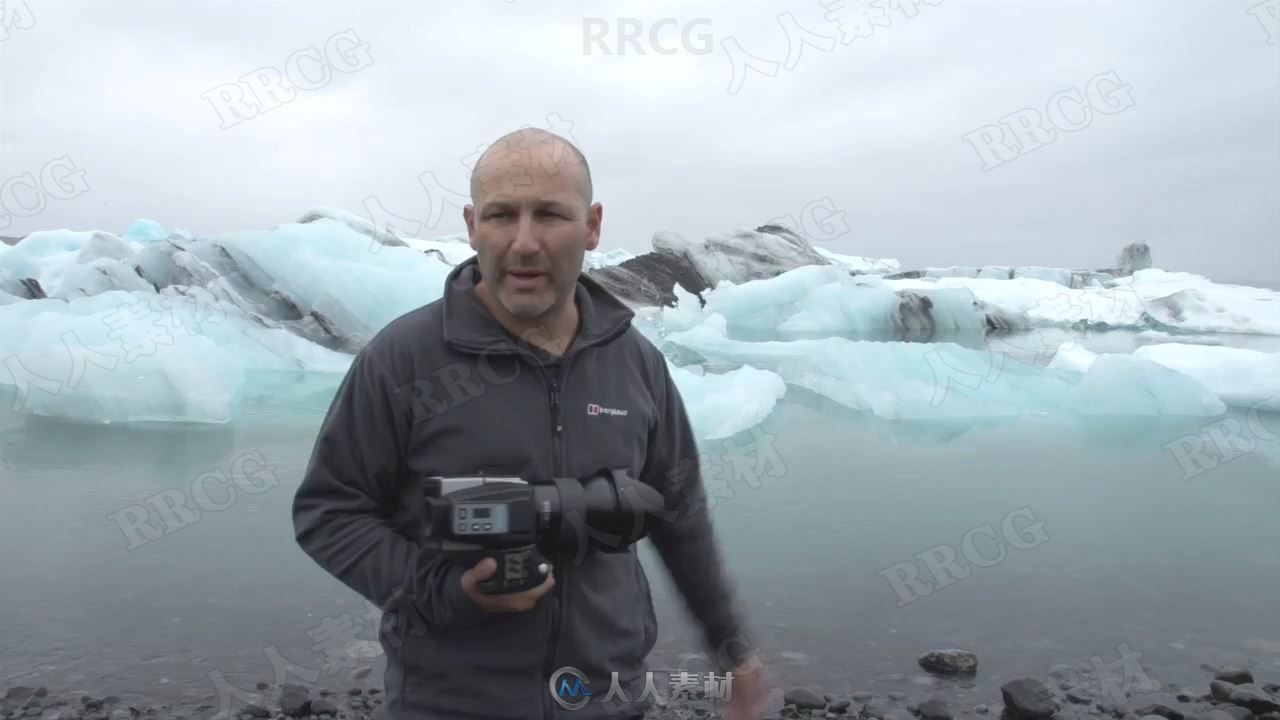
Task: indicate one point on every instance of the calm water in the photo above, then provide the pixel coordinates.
(1101, 538)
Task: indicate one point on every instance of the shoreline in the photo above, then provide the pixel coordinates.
(1069, 692)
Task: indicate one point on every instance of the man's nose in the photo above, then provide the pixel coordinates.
(526, 240)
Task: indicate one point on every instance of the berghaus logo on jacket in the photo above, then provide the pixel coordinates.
(594, 409)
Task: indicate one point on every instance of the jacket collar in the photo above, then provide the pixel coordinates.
(469, 326)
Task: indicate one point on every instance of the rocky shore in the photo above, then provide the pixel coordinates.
(1068, 692)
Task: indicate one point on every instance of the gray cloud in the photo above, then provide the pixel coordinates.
(876, 125)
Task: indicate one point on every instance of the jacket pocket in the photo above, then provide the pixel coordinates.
(491, 669)
(606, 628)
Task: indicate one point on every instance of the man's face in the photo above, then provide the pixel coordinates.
(530, 227)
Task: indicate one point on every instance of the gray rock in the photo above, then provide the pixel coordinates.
(1108, 708)
(1221, 690)
(875, 710)
(256, 711)
(1237, 712)
(949, 662)
(1269, 716)
(361, 672)
(1078, 698)
(1028, 699)
(805, 698)
(934, 709)
(981, 709)
(1273, 688)
(324, 706)
(896, 716)
(1235, 676)
(1253, 697)
(839, 705)
(1158, 710)
(1131, 716)
(1211, 715)
(293, 703)
(897, 695)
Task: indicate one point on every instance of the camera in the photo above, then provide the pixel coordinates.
(521, 524)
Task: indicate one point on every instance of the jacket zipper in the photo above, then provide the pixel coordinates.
(561, 570)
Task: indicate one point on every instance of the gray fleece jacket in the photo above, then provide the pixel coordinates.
(446, 390)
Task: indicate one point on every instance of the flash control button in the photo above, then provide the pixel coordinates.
(462, 527)
(487, 526)
(475, 526)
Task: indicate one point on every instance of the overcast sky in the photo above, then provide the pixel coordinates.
(1150, 121)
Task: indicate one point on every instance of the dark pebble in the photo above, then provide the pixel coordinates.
(934, 709)
(863, 696)
(981, 709)
(1160, 710)
(354, 691)
(897, 695)
(949, 662)
(1028, 699)
(805, 698)
(256, 711)
(1235, 676)
(323, 706)
(1077, 698)
(839, 705)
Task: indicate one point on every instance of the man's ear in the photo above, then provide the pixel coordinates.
(595, 217)
(469, 216)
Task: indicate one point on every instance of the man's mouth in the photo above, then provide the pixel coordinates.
(526, 277)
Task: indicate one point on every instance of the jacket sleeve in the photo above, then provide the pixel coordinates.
(685, 539)
(353, 488)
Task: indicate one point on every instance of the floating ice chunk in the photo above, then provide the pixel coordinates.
(823, 300)
(1243, 378)
(1149, 299)
(1150, 337)
(1072, 357)
(855, 263)
(605, 258)
(899, 380)
(721, 405)
(145, 231)
(1124, 385)
(130, 357)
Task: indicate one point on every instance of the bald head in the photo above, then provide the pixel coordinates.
(525, 153)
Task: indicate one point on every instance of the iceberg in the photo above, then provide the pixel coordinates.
(131, 357)
(934, 381)
(1179, 303)
(166, 326)
(826, 300)
(721, 405)
(1242, 378)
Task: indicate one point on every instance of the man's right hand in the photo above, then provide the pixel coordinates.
(512, 602)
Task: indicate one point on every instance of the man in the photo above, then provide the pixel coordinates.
(525, 367)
